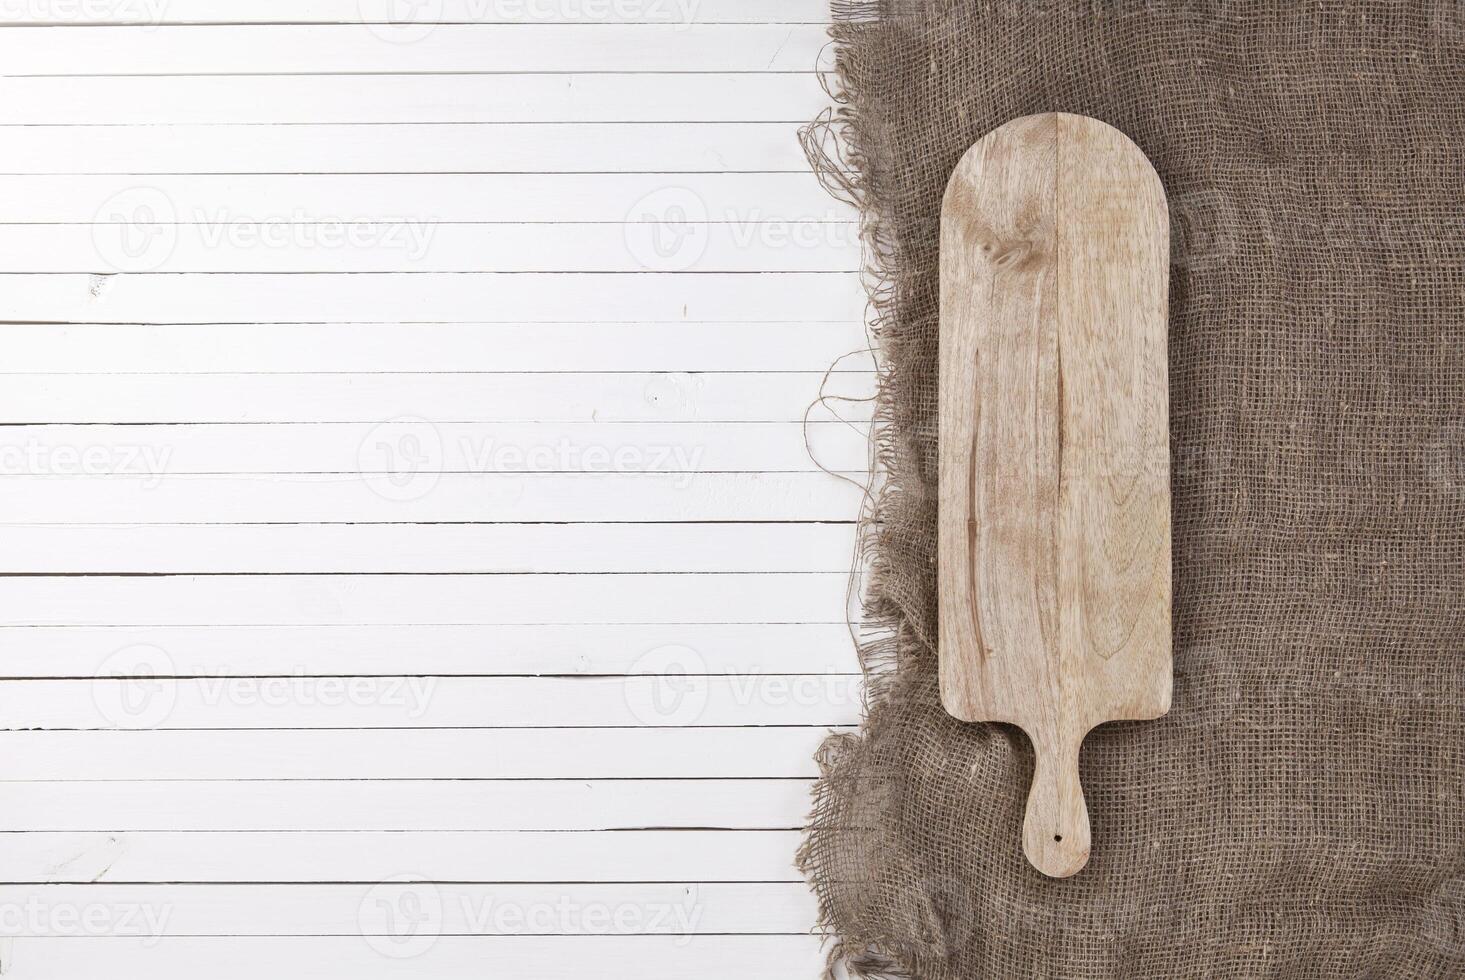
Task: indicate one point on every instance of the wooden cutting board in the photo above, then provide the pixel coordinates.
(1054, 534)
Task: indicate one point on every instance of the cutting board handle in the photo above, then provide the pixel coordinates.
(1055, 832)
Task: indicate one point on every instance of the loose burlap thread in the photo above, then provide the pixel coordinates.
(1298, 814)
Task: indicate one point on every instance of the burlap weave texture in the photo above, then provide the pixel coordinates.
(1300, 813)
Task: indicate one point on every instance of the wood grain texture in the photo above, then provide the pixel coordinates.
(1054, 482)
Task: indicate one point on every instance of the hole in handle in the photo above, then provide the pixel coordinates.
(1056, 825)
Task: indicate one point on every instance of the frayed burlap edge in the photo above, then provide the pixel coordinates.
(844, 148)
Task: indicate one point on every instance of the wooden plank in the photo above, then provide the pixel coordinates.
(251, 651)
(564, 805)
(408, 776)
(145, 12)
(639, 396)
(369, 857)
(409, 46)
(455, 498)
(666, 242)
(431, 297)
(124, 348)
(729, 197)
(422, 599)
(612, 147)
(431, 548)
(136, 698)
(449, 958)
(158, 911)
(386, 98)
(625, 753)
(413, 447)
(1055, 512)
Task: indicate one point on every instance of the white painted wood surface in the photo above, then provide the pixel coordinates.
(645, 752)
(327, 148)
(227, 650)
(149, 12)
(512, 805)
(414, 563)
(301, 702)
(59, 497)
(492, 348)
(393, 246)
(299, 857)
(262, 49)
(428, 297)
(333, 910)
(374, 448)
(384, 97)
(447, 398)
(620, 957)
(251, 199)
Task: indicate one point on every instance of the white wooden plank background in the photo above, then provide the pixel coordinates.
(225, 346)
(725, 752)
(555, 805)
(259, 49)
(302, 702)
(627, 957)
(502, 910)
(153, 12)
(590, 148)
(440, 549)
(373, 448)
(229, 650)
(467, 857)
(66, 497)
(394, 98)
(250, 199)
(412, 559)
(630, 396)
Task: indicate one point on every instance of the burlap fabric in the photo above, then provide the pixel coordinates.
(1299, 812)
